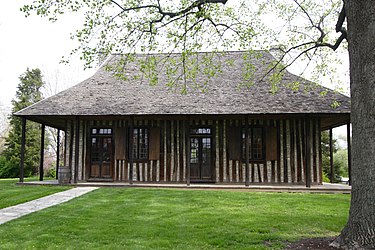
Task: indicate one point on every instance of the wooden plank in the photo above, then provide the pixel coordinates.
(265, 172)
(278, 151)
(182, 149)
(308, 153)
(271, 144)
(23, 145)
(315, 170)
(169, 149)
(292, 150)
(234, 174)
(247, 152)
(285, 153)
(58, 154)
(299, 160)
(187, 136)
(252, 173)
(221, 151)
(320, 154)
(331, 155)
(120, 143)
(303, 143)
(273, 174)
(76, 153)
(162, 152)
(154, 144)
(41, 160)
(130, 150)
(259, 173)
(234, 142)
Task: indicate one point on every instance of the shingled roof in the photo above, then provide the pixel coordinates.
(105, 95)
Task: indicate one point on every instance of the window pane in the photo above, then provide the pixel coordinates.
(257, 144)
(140, 143)
(194, 146)
(200, 131)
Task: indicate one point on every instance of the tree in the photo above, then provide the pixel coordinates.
(28, 92)
(308, 33)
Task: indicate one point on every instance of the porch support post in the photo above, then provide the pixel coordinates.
(247, 151)
(331, 154)
(349, 153)
(187, 136)
(58, 154)
(308, 153)
(23, 142)
(131, 142)
(41, 162)
(76, 150)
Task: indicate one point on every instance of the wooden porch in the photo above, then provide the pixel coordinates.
(291, 188)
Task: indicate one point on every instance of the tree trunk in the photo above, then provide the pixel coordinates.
(359, 232)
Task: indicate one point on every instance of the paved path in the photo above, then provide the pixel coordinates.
(14, 212)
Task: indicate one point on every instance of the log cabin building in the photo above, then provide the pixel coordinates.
(224, 131)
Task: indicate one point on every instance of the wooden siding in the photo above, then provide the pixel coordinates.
(284, 141)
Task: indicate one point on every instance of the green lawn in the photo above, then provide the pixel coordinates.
(12, 194)
(130, 218)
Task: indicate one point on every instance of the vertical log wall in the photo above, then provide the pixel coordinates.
(288, 166)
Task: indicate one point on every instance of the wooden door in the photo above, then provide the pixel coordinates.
(101, 157)
(201, 159)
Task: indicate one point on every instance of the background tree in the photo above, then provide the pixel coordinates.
(28, 92)
(302, 29)
(340, 158)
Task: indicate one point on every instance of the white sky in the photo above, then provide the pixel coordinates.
(34, 42)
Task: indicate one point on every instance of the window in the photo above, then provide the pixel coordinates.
(101, 131)
(140, 143)
(256, 150)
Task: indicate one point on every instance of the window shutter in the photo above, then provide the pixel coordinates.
(154, 144)
(271, 144)
(120, 143)
(234, 143)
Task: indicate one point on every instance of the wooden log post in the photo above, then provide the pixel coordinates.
(130, 152)
(308, 153)
(41, 161)
(247, 152)
(331, 155)
(58, 154)
(349, 153)
(187, 151)
(23, 144)
(76, 151)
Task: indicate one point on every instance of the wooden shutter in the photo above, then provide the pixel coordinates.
(120, 143)
(271, 144)
(234, 143)
(154, 144)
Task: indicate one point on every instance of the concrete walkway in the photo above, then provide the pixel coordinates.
(14, 212)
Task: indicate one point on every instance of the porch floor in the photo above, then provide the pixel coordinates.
(324, 188)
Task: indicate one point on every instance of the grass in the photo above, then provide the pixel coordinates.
(12, 194)
(130, 218)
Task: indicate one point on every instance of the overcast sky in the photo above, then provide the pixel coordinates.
(34, 42)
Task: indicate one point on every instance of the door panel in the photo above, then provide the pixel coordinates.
(200, 158)
(194, 158)
(101, 157)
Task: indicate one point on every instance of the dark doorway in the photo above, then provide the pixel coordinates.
(201, 168)
(101, 154)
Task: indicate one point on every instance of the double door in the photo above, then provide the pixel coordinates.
(101, 157)
(201, 168)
